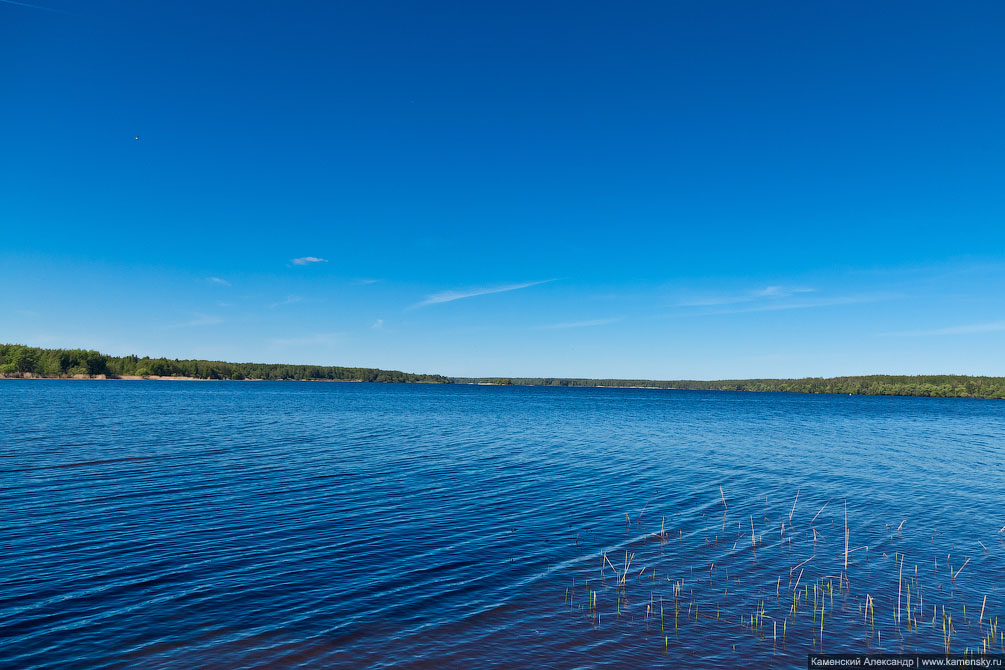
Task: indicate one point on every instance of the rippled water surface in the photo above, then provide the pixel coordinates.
(239, 524)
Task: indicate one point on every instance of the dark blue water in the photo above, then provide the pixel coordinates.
(265, 525)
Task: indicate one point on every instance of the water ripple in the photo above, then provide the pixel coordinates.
(275, 525)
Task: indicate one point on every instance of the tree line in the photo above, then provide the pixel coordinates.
(18, 361)
(936, 386)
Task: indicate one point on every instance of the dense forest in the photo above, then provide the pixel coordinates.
(942, 386)
(18, 361)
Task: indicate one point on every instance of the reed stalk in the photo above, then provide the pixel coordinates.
(612, 567)
(846, 536)
(900, 583)
(821, 510)
(799, 565)
(961, 569)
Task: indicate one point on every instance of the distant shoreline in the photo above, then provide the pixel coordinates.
(922, 386)
(23, 362)
(80, 377)
(160, 378)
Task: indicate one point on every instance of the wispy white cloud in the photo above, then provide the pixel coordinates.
(773, 298)
(766, 293)
(806, 304)
(366, 282)
(307, 260)
(217, 280)
(780, 291)
(583, 324)
(199, 320)
(378, 324)
(968, 329)
(290, 299)
(450, 296)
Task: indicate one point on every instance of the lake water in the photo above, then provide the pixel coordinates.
(317, 525)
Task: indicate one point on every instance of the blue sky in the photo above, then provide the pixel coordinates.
(654, 190)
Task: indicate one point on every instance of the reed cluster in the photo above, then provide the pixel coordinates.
(792, 589)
